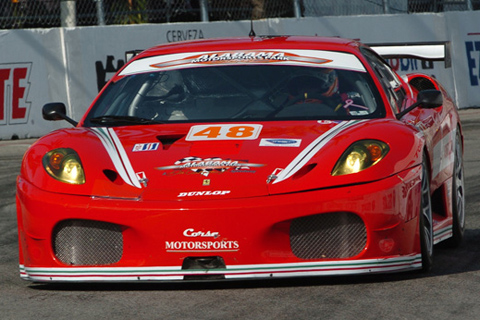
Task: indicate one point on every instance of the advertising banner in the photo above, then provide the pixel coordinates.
(465, 38)
(32, 73)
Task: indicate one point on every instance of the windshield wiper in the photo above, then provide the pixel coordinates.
(123, 120)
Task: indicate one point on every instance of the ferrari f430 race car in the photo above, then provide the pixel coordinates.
(245, 158)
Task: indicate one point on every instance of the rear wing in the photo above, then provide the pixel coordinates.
(433, 51)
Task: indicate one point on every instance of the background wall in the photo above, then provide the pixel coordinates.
(70, 65)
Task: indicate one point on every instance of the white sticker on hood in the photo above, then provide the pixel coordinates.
(266, 142)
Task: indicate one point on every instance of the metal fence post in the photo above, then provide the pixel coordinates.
(469, 5)
(168, 7)
(100, 13)
(204, 10)
(68, 13)
(296, 9)
(386, 7)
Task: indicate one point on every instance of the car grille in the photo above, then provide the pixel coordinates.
(330, 235)
(87, 242)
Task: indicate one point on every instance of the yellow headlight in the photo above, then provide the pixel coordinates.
(64, 165)
(360, 156)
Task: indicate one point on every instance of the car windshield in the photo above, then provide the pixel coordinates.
(228, 93)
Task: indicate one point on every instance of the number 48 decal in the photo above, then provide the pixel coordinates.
(224, 132)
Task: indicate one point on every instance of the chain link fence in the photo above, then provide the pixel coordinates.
(16, 14)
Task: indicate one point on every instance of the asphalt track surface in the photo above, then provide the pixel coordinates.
(450, 291)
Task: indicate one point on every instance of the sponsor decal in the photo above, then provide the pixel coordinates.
(280, 142)
(313, 58)
(142, 178)
(202, 246)
(224, 132)
(190, 232)
(328, 122)
(209, 165)
(203, 193)
(242, 57)
(146, 146)
(249, 56)
(443, 153)
(349, 103)
(14, 88)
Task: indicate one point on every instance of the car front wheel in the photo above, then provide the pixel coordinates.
(426, 221)
(458, 195)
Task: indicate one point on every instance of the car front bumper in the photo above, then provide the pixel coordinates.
(69, 238)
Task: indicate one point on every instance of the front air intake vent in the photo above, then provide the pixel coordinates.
(87, 242)
(204, 265)
(328, 236)
(421, 83)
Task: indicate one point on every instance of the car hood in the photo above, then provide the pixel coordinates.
(165, 162)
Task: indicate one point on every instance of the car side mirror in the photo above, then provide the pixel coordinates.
(428, 99)
(56, 111)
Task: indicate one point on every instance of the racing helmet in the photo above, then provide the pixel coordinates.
(329, 79)
(324, 83)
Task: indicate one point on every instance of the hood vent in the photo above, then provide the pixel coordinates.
(111, 175)
(303, 171)
(168, 140)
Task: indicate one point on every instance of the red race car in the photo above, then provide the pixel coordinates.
(254, 157)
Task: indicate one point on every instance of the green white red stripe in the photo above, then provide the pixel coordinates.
(117, 154)
(312, 149)
(326, 268)
(442, 234)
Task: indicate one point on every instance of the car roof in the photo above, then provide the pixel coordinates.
(257, 42)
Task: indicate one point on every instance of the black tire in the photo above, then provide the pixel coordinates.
(426, 220)
(458, 196)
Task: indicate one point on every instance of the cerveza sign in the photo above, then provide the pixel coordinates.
(181, 35)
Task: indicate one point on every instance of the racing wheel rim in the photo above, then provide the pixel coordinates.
(426, 221)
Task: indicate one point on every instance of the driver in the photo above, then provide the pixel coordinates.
(321, 88)
(164, 97)
(309, 87)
